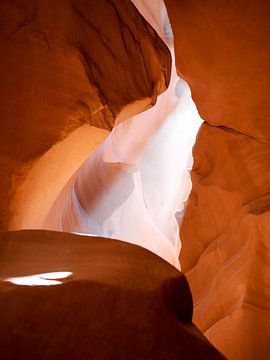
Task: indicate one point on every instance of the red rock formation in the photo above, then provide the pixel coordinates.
(226, 255)
(122, 190)
(120, 302)
(62, 66)
(49, 174)
(69, 63)
(222, 50)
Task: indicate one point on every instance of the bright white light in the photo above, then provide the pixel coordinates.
(134, 187)
(83, 234)
(45, 279)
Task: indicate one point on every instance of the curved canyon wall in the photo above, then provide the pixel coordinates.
(110, 300)
(222, 51)
(70, 76)
(127, 188)
(62, 67)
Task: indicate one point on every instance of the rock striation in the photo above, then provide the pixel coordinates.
(226, 256)
(127, 188)
(222, 51)
(61, 67)
(72, 71)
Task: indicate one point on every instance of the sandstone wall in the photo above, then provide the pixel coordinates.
(61, 67)
(222, 51)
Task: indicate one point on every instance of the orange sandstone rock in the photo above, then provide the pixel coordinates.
(61, 67)
(226, 256)
(120, 301)
(222, 51)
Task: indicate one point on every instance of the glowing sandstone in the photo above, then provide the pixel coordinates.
(61, 67)
(117, 300)
(222, 51)
(226, 255)
(129, 188)
(50, 173)
(226, 227)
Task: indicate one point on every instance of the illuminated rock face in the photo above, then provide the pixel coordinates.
(129, 188)
(64, 67)
(49, 174)
(129, 174)
(229, 246)
(68, 65)
(222, 51)
(61, 67)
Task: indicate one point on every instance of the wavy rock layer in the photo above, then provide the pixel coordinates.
(127, 188)
(106, 309)
(223, 53)
(226, 256)
(62, 66)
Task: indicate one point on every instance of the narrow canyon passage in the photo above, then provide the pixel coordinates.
(134, 179)
(133, 187)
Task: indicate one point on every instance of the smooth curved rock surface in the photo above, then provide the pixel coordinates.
(222, 51)
(47, 177)
(127, 189)
(226, 256)
(119, 302)
(62, 67)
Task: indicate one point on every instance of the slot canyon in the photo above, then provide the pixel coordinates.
(134, 179)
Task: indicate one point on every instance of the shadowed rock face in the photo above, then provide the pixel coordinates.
(120, 302)
(62, 66)
(222, 50)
